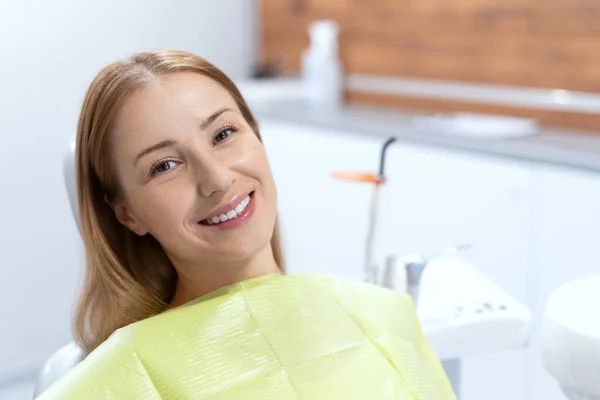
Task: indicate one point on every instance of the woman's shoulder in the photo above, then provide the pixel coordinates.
(351, 290)
(373, 308)
(112, 362)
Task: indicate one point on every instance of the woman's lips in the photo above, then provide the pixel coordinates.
(232, 214)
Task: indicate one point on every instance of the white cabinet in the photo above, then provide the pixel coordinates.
(323, 220)
(435, 199)
(566, 246)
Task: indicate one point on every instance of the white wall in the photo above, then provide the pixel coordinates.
(49, 52)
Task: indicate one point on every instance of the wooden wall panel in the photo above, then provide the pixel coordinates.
(575, 19)
(534, 43)
(514, 43)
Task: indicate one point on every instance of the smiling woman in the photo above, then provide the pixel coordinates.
(164, 140)
(182, 152)
(184, 295)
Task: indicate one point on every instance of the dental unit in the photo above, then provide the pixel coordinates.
(454, 300)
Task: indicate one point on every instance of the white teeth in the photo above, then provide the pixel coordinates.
(230, 214)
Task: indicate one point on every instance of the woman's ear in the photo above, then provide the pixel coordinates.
(125, 217)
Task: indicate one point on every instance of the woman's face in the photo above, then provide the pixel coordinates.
(193, 174)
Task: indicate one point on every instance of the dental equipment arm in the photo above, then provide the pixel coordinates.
(370, 267)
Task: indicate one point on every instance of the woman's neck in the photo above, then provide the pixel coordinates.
(195, 281)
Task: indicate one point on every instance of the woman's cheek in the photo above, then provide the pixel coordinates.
(167, 204)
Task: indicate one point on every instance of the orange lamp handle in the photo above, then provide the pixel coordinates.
(359, 177)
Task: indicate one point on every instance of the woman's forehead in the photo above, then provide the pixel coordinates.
(180, 94)
(173, 103)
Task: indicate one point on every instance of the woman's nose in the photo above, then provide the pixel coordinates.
(214, 177)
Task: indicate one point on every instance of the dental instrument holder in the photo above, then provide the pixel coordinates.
(414, 265)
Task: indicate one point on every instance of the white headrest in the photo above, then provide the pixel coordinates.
(65, 358)
(57, 366)
(69, 174)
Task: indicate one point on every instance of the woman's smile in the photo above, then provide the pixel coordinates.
(233, 214)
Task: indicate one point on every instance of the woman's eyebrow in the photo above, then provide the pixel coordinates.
(206, 123)
(170, 142)
(157, 146)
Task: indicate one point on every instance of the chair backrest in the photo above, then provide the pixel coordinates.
(57, 366)
(69, 175)
(65, 358)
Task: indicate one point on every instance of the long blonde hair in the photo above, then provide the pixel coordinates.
(128, 278)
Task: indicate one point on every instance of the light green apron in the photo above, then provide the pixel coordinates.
(273, 337)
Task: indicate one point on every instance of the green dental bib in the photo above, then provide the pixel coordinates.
(273, 337)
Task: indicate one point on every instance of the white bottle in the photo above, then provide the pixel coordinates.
(321, 69)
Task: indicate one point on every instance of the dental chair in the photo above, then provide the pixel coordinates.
(571, 337)
(57, 366)
(454, 301)
(65, 358)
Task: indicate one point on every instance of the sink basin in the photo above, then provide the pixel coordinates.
(475, 126)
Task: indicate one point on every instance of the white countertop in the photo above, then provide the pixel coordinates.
(286, 100)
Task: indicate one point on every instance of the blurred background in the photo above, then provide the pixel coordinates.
(495, 105)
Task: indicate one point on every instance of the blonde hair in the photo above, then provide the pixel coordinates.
(128, 278)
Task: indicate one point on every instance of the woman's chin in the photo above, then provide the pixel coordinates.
(238, 250)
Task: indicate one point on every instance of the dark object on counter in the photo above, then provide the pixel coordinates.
(272, 68)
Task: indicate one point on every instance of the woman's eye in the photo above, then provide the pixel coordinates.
(224, 134)
(163, 166)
